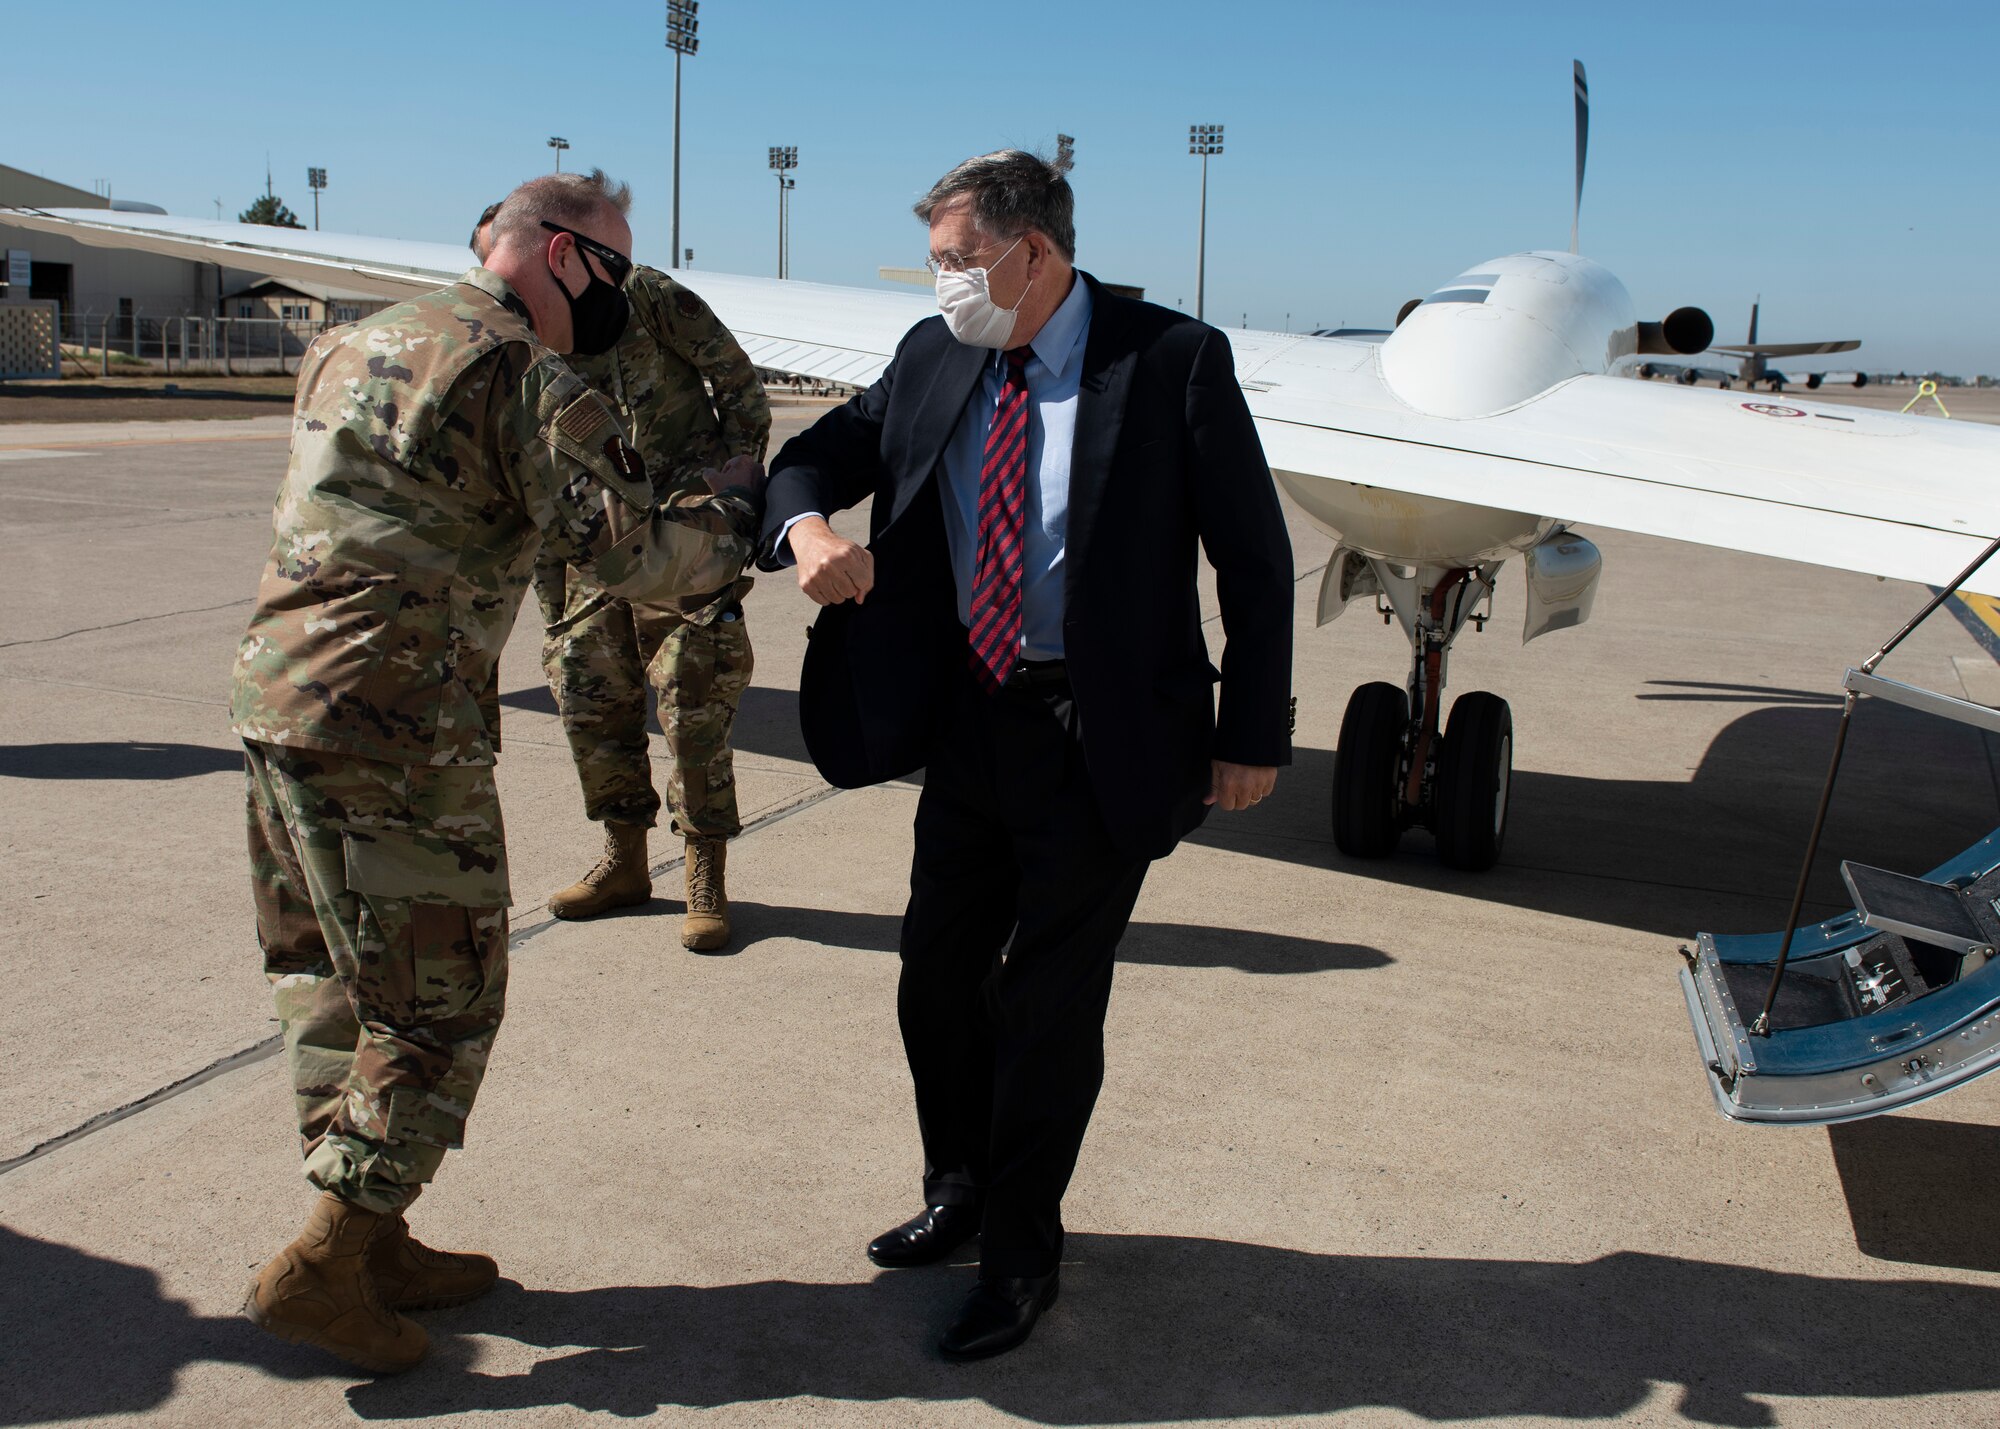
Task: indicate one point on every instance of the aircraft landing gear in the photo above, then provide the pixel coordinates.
(1392, 770)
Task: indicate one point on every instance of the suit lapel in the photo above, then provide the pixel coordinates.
(1108, 361)
(946, 386)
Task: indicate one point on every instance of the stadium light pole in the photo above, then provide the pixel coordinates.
(1203, 139)
(316, 181)
(1065, 152)
(784, 157)
(558, 143)
(681, 39)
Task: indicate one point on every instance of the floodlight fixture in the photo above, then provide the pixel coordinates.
(682, 40)
(1205, 140)
(558, 143)
(784, 157)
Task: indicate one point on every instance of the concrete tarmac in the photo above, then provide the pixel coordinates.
(1379, 1144)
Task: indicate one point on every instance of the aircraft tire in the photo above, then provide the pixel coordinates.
(1475, 771)
(1367, 805)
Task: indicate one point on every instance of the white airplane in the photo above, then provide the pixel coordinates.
(1490, 419)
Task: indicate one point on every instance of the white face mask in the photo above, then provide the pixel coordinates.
(969, 310)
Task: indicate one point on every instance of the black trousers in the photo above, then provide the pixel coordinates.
(1017, 902)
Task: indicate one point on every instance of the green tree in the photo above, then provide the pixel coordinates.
(270, 211)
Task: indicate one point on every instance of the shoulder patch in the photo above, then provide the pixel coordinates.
(690, 306)
(621, 455)
(582, 420)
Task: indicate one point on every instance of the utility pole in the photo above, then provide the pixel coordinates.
(558, 143)
(316, 181)
(681, 27)
(1203, 139)
(784, 157)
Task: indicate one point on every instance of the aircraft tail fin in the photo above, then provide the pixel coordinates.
(1582, 149)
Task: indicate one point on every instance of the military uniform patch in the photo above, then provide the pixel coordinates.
(582, 420)
(624, 458)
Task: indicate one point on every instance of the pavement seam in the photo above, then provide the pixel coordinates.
(119, 624)
(246, 1057)
(270, 1046)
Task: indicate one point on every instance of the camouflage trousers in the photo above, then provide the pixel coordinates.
(381, 894)
(599, 653)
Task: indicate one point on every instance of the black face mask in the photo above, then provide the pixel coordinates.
(596, 316)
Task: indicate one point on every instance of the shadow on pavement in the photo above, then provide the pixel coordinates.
(136, 759)
(1921, 1192)
(1654, 854)
(1159, 1328)
(767, 721)
(85, 1336)
(1149, 1329)
(1179, 945)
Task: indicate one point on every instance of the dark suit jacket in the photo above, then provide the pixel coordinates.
(1165, 456)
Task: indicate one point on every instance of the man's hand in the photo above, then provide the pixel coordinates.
(741, 472)
(831, 567)
(1238, 786)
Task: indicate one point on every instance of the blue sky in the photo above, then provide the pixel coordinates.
(1836, 158)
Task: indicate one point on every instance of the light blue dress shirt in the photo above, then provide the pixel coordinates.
(1054, 374)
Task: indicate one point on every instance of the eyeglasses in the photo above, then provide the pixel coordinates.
(949, 262)
(616, 265)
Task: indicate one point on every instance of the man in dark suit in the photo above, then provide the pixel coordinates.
(1024, 625)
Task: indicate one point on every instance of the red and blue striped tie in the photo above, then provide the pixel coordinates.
(1003, 496)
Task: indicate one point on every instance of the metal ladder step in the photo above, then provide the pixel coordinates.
(1915, 908)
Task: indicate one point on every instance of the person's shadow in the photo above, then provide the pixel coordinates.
(85, 1336)
(1149, 1329)
(1181, 945)
(1162, 1328)
(116, 759)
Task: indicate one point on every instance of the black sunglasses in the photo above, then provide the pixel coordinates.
(616, 265)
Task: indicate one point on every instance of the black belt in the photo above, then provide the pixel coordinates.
(1036, 674)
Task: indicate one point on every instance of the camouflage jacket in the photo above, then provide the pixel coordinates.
(685, 391)
(436, 446)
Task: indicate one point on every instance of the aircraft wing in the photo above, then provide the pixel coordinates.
(812, 329)
(1784, 349)
(1911, 498)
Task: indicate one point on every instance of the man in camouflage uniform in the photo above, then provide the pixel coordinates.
(599, 650)
(436, 447)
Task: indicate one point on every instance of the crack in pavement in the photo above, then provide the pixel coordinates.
(119, 624)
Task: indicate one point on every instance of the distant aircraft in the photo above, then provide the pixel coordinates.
(1754, 368)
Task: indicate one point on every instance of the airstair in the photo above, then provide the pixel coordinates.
(1891, 1002)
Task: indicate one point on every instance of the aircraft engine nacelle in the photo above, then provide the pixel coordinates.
(1682, 333)
(1509, 330)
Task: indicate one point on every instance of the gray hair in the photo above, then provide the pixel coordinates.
(1012, 191)
(572, 200)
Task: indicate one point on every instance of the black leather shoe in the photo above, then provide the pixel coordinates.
(999, 1314)
(934, 1233)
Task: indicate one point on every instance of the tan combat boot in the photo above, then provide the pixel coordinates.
(619, 880)
(319, 1291)
(706, 926)
(409, 1275)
